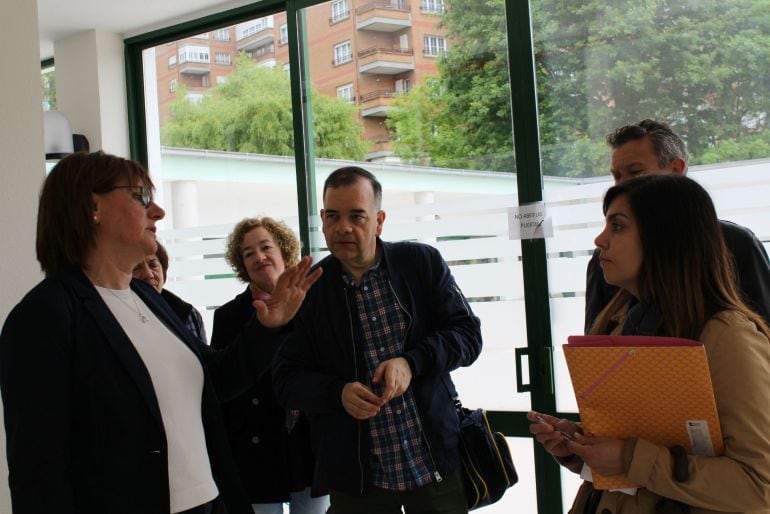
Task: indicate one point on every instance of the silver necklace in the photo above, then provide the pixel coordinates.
(142, 317)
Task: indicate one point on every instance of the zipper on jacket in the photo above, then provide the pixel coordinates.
(355, 370)
(436, 474)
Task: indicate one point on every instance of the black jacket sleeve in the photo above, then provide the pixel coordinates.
(36, 378)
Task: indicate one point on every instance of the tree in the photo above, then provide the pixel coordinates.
(48, 81)
(702, 67)
(468, 104)
(251, 112)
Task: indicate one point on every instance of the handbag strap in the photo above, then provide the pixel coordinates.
(454, 397)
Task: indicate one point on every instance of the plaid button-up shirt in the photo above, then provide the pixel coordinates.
(398, 457)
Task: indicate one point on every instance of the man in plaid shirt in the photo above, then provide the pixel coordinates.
(369, 359)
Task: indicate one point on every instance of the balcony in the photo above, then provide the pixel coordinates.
(385, 61)
(262, 53)
(260, 38)
(195, 67)
(376, 104)
(384, 16)
(380, 149)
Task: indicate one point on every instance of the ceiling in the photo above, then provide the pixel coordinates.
(58, 19)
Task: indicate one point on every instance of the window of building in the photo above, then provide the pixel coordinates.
(194, 54)
(432, 6)
(223, 58)
(340, 10)
(343, 53)
(346, 93)
(222, 34)
(402, 86)
(250, 28)
(205, 35)
(194, 98)
(284, 34)
(171, 61)
(172, 86)
(434, 45)
(221, 79)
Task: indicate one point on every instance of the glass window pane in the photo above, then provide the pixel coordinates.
(427, 126)
(221, 148)
(48, 83)
(696, 65)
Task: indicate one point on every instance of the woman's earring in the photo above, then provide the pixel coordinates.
(96, 219)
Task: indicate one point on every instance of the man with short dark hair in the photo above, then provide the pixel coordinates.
(651, 147)
(369, 360)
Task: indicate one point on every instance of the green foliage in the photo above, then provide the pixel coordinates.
(251, 112)
(467, 107)
(703, 67)
(48, 82)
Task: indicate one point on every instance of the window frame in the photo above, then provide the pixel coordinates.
(431, 46)
(526, 144)
(342, 53)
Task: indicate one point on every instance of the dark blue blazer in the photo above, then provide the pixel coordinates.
(84, 429)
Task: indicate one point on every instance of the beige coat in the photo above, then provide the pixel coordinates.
(737, 482)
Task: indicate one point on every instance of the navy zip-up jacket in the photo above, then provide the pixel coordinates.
(323, 354)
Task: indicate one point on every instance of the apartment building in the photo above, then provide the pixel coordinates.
(361, 51)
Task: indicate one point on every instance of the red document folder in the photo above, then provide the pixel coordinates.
(654, 388)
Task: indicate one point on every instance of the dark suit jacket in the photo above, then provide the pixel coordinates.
(271, 461)
(84, 430)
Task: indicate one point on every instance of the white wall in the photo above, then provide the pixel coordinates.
(22, 169)
(91, 88)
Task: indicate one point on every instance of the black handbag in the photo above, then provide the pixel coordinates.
(487, 464)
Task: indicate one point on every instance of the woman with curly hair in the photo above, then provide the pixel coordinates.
(271, 446)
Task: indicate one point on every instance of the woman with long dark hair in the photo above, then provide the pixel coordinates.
(662, 246)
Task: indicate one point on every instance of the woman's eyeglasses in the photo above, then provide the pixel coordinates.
(143, 196)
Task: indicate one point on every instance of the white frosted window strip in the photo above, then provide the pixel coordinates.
(567, 274)
(503, 324)
(478, 248)
(565, 395)
(208, 321)
(570, 483)
(484, 225)
(592, 190)
(197, 248)
(572, 214)
(522, 497)
(490, 382)
(211, 293)
(567, 317)
(759, 223)
(477, 203)
(484, 280)
(195, 232)
(317, 240)
(753, 196)
(727, 174)
(198, 267)
(574, 240)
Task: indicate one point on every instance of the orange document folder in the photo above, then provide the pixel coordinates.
(653, 388)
